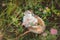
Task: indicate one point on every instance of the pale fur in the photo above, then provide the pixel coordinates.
(29, 19)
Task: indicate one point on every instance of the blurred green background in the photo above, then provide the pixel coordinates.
(11, 13)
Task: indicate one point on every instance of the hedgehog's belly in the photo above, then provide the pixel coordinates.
(37, 30)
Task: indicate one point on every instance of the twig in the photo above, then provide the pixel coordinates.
(22, 35)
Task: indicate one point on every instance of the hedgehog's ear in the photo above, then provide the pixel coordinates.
(35, 16)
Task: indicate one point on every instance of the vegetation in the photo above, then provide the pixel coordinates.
(11, 13)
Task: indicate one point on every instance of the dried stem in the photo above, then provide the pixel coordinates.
(22, 35)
